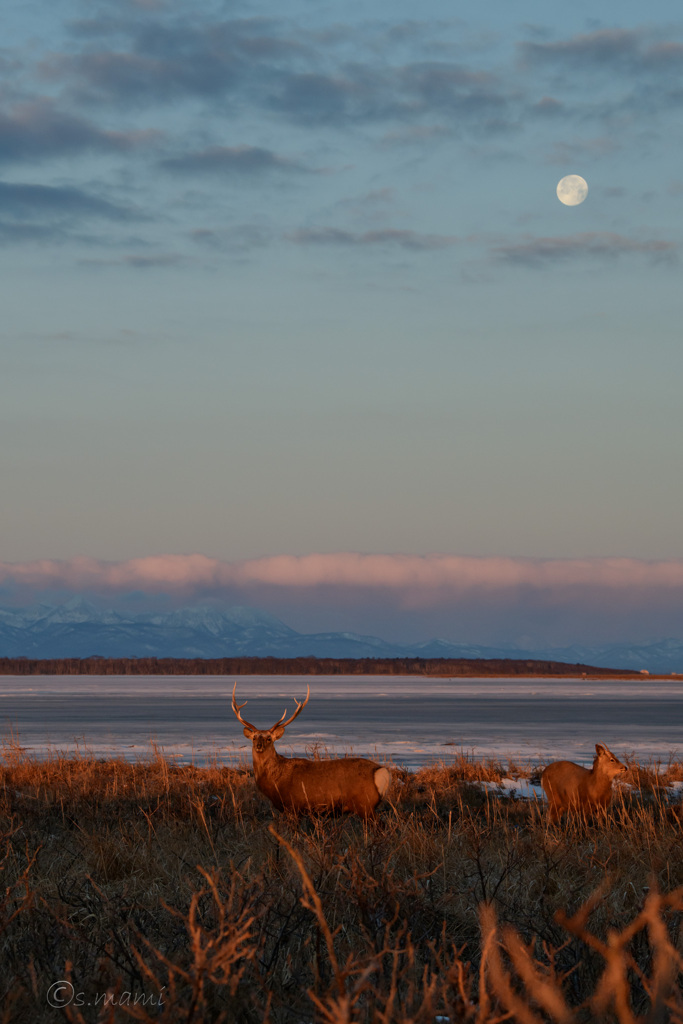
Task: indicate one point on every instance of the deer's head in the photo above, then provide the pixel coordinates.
(607, 763)
(263, 739)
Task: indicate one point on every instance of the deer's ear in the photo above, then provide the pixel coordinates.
(599, 749)
(277, 733)
(249, 733)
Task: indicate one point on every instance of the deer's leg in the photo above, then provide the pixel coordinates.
(554, 812)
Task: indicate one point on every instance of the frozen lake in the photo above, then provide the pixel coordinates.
(408, 719)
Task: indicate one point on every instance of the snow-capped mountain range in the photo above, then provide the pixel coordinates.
(78, 629)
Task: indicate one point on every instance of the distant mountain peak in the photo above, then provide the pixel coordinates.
(216, 621)
(77, 609)
(248, 617)
(78, 629)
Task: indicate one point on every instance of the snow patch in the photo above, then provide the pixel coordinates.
(522, 789)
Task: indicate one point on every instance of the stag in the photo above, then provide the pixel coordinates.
(299, 784)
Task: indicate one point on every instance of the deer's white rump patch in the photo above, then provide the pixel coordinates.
(382, 780)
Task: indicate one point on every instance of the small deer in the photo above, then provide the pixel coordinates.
(569, 787)
(299, 784)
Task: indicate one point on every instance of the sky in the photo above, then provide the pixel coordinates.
(291, 285)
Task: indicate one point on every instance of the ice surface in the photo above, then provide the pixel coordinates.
(408, 719)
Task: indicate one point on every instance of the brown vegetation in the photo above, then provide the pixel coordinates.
(179, 887)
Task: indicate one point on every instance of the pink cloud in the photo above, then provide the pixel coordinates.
(435, 576)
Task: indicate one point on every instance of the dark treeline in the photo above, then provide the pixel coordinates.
(96, 666)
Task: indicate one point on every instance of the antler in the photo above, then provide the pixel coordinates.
(236, 708)
(298, 711)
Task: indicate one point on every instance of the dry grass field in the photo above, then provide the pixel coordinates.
(152, 891)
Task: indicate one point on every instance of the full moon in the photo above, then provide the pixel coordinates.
(572, 189)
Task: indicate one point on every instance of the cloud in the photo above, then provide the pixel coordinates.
(280, 66)
(22, 201)
(18, 233)
(540, 252)
(416, 135)
(144, 78)
(604, 46)
(363, 92)
(548, 106)
(164, 59)
(626, 50)
(373, 207)
(489, 600)
(138, 261)
(144, 262)
(372, 72)
(322, 99)
(38, 129)
(235, 160)
(239, 238)
(451, 88)
(632, 75)
(49, 214)
(413, 240)
(566, 153)
(429, 576)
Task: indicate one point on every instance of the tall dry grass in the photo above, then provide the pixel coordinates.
(157, 892)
